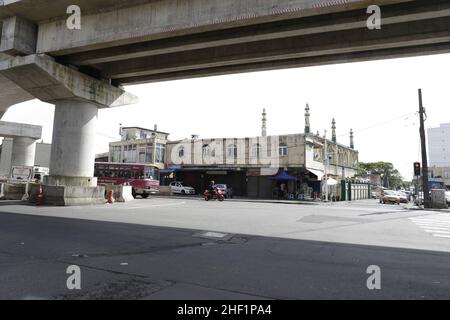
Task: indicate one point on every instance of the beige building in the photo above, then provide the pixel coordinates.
(251, 165)
(140, 145)
(257, 166)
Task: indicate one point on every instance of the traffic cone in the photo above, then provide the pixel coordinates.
(40, 196)
(110, 196)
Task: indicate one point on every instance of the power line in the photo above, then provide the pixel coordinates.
(408, 115)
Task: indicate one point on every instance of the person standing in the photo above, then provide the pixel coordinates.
(283, 190)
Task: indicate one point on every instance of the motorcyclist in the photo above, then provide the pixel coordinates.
(211, 188)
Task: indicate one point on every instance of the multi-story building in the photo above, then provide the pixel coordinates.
(251, 165)
(439, 146)
(140, 145)
(439, 156)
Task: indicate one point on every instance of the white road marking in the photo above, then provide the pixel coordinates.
(442, 235)
(434, 230)
(437, 225)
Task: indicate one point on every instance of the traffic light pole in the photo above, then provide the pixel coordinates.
(426, 193)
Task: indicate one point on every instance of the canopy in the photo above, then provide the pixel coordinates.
(283, 175)
(331, 182)
(316, 172)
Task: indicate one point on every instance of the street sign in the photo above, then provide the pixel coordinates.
(22, 173)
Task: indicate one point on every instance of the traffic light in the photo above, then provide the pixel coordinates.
(417, 169)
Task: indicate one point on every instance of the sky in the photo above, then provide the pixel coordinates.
(378, 100)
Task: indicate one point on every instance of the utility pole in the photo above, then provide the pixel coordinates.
(426, 194)
(325, 153)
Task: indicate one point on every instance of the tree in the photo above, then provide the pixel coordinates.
(390, 177)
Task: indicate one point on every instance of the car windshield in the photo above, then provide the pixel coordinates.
(221, 186)
(389, 192)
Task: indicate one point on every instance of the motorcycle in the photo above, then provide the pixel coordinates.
(218, 195)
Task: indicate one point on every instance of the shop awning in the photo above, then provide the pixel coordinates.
(316, 172)
(284, 176)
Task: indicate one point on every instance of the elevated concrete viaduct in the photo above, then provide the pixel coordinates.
(24, 141)
(129, 42)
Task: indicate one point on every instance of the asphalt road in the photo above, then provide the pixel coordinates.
(135, 260)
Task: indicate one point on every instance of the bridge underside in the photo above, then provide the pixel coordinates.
(408, 29)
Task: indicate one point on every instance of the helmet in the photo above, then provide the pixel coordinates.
(213, 182)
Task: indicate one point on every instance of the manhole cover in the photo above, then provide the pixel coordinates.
(214, 235)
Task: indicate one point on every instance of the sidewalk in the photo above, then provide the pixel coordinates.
(416, 208)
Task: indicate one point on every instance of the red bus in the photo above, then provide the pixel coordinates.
(144, 178)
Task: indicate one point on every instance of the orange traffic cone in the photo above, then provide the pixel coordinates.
(110, 196)
(40, 196)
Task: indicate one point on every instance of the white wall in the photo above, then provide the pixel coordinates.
(439, 146)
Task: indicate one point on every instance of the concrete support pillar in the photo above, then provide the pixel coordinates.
(73, 145)
(23, 151)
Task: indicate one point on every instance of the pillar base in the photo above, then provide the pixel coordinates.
(70, 181)
(69, 195)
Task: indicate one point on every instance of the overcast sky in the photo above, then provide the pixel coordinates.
(377, 99)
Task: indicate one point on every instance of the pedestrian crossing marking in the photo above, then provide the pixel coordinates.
(437, 225)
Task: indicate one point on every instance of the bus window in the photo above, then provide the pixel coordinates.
(151, 173)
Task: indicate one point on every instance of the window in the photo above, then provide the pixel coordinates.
(206, 150)
(151, 173)
(116, 153)
(232, 151)
(142, 151)
(149, 153)
(181, 152)
(130, 153)
(283, 150)
(143, 135)
(256, 151)
(160, 152)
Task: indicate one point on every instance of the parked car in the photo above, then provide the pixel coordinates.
(181, 188)
(403, 197)
(390, 196)
(225, 189)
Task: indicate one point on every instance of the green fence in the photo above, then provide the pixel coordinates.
(351, 191)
